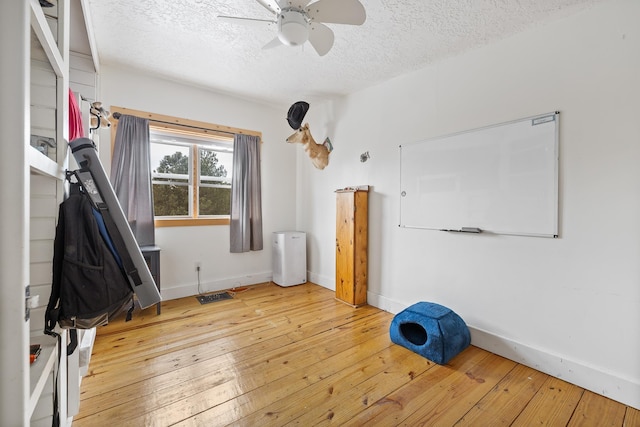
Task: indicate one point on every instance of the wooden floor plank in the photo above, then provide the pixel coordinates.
(631, 418)
(301, 377)
(552, 406)
(256, 400)
(205, 322)
(502, 405)
(334, 342)
(400, 404)
(594, 411)
(243, 340)
(276, 356)
(319, 397)
(459, 392)
(373, 379)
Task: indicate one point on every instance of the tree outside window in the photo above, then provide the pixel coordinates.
(214, 197)
(191, 175)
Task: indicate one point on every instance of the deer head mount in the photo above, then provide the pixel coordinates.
(319, 153)
(99, 116)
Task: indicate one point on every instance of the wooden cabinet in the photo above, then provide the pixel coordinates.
(351, 245)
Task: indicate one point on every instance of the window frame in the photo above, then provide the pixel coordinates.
(194, 146)
(186, 126)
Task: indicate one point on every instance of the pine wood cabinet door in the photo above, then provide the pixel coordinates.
(351, 246)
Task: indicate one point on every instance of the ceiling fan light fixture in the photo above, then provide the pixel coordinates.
(293, 28)
(299, 21)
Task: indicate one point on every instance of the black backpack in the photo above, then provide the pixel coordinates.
(90, 286)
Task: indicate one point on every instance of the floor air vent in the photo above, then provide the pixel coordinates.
(206, 299)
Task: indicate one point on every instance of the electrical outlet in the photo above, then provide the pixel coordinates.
(198, 266)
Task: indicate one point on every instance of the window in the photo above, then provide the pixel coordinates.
(191, 187)
(191, 175)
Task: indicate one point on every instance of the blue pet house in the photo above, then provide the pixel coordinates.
(430, 330)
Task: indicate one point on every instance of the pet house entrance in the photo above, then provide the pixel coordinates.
(414, 333)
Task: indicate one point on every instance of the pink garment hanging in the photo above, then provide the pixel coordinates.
(76, 130)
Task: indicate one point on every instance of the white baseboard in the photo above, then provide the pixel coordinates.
(384, 303)
(324, 281)
(191, 289)
(575, 372)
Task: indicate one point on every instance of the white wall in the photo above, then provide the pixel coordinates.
(568, 306)
(183, 246)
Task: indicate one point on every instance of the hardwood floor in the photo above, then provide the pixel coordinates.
(296, 356)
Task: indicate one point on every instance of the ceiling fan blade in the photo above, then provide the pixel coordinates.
(271, 5)
(321, 38)
(247, 21)
(337, 12)
(273, 43)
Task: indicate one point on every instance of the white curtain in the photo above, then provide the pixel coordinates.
(246, 195)
(131, 176)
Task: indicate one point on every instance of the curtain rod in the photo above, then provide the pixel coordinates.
(117, 116)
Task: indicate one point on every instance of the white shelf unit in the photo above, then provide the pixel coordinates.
(49, 106)
(41, 369)
(34, 82)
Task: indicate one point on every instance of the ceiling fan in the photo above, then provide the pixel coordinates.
(297, 21)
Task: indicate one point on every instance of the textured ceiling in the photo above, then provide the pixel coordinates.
(184, 41)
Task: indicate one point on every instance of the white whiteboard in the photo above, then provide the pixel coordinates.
(499, 179)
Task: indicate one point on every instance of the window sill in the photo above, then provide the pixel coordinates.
(190, 222)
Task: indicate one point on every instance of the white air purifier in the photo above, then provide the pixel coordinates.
(289, 258)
